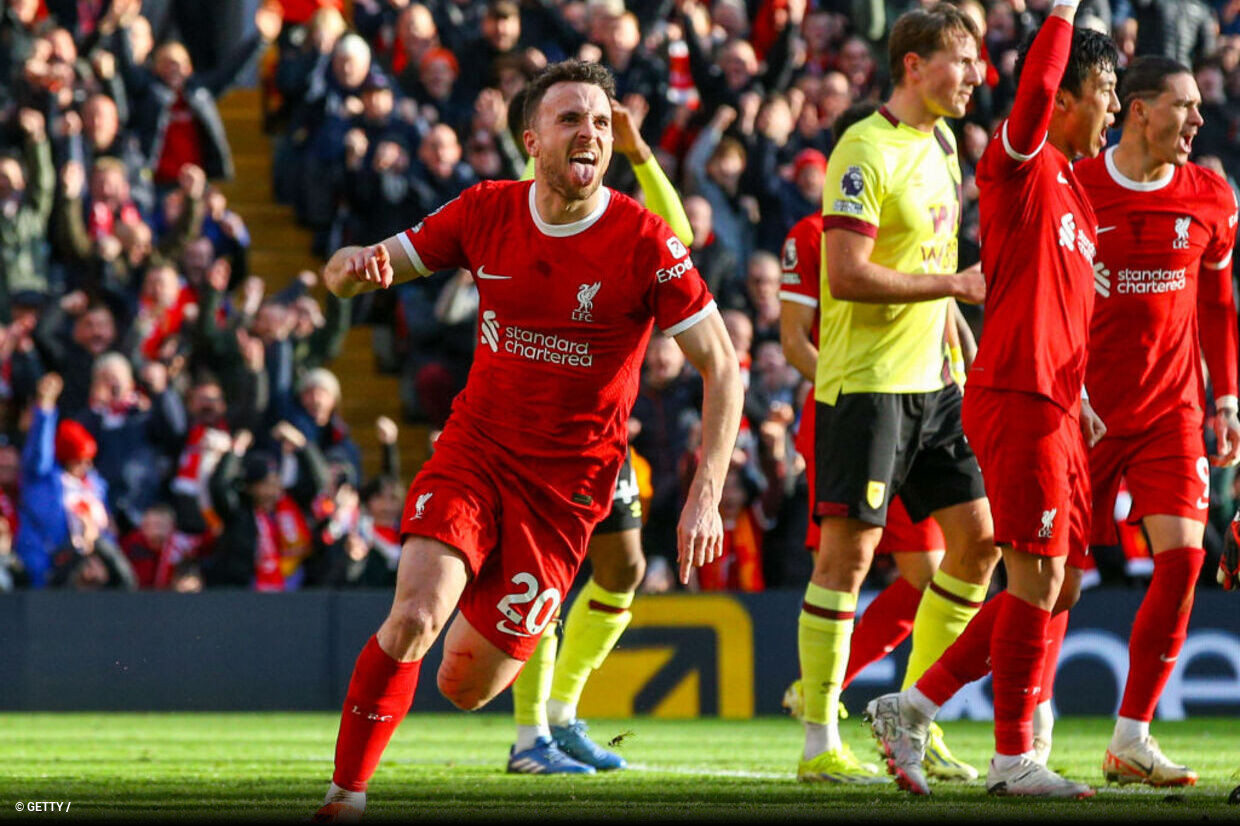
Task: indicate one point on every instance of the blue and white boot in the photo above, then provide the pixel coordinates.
(544, 757)
(573, 741)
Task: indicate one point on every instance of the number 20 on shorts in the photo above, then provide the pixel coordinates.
(542, 607)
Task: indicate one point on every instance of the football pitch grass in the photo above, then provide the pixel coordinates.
(269, 766)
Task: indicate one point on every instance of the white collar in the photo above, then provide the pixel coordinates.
(565, 230)
(1128, 183)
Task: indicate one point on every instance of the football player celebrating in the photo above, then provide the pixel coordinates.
(571, 277)
(550, 737)
(1166, 228)
(1026, 414)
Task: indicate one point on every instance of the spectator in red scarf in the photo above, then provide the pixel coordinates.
(174, 112)
(264, 536)
(163, 306)
(135, 433)
(64, 517)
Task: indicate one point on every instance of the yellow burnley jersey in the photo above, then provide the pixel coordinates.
(900, 186)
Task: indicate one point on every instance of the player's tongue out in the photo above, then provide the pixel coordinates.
(581, 167)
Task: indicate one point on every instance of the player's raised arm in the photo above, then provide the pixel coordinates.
(699, 536)
(661, 197)
(1038, 78)
(353, 270)
(852, 276)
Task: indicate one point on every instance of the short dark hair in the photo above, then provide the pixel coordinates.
(853, 114)
(566, 71)
(924, 32)
(1146, 77)
(1090, 50)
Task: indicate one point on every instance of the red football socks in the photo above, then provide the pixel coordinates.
(1159, 630)
(965, 660)
(1055, 632)
(1017, 654)
(884, 625)
(379, 697)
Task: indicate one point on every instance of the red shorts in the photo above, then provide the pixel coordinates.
(522, 541)
(1033, 460)
(1166, 471)
(900, 535)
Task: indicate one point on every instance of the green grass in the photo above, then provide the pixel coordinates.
(276, 766)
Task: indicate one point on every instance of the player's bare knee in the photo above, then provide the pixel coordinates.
(414, 625)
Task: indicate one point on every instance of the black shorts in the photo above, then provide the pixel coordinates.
(871, 446)
(626, 503)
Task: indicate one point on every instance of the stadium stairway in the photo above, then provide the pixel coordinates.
(280, 249)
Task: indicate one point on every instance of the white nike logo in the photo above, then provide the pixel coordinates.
(486, 276)
(1059, 177)
(1104, 229)
(1167, 659)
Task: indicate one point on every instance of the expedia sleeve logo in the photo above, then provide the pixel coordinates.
(676, 248)
(665, 274)
(852, 184)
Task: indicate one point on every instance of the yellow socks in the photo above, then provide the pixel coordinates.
(595, 622)
(945, 609)
(530, 691)
(824, 630)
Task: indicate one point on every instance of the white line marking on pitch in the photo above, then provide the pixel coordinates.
(713, 772)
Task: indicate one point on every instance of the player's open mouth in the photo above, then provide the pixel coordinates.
(582, 165)
(1185, 143)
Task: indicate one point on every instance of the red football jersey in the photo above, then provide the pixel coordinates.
(802, 262)
(1162, 275)
(565, 311)
(1038, 239)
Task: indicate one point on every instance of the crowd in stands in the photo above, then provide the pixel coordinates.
(167, 423)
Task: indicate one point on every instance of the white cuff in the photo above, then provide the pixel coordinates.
(1084, 395)
(1227, 403)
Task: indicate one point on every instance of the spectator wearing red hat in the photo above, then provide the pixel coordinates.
(803, 194)
(63, 502)
(432, 84)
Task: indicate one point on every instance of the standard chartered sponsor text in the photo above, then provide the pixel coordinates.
(547, 347)
(1150, 281)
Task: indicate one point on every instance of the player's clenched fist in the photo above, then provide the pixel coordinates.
(371, 265)
(970, 285)
(352, 270)
(699, 537)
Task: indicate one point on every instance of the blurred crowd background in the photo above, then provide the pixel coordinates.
(169, 421)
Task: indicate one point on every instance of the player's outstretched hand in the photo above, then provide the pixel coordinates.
(1091, 424)
(699, 536)
(1227, 433)
(1229, 563)
(970, 285)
